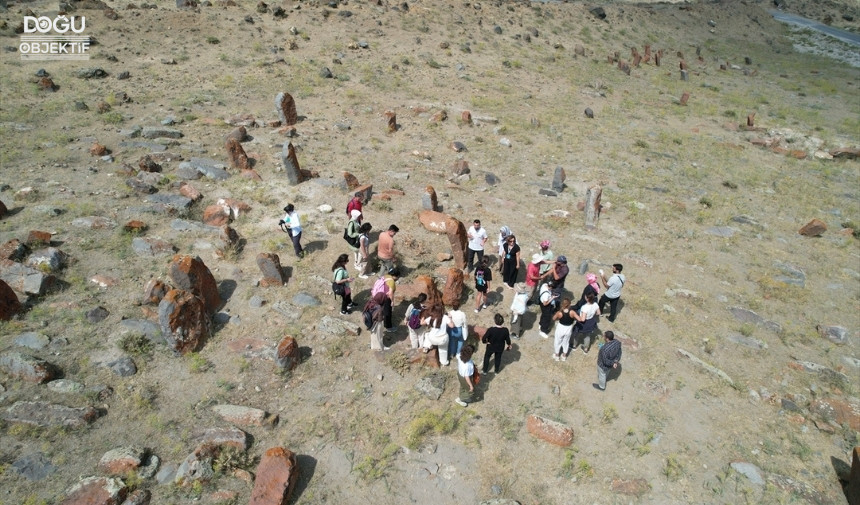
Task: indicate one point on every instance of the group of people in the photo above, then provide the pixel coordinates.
(447, 331)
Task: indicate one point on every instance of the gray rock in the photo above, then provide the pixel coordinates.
(325, 73)
(504, 141)
(94, 222)
(851, 361)
(547, 192)
(790, 405)
(124, 367)
(97, 314)
(177, 202)
(743, 219)
(47, 210)
(491, 179)
(720, 231)
(151, 246)
(746, 341)
(157, 132)
(750, 471)
(151, 146)
(221, 318)
(167, 474)
(558, 179)
(49, 258)
(149, 329)
(33, 467)
(208, 168)
(25, 279)
(334, 326)
(132, 132)
(836, 334)
(65, 386)
(123, 75)
(583, 267)
(149, 467)
(500, 501)
(185, 225)
(138, 186)
(256, 302)
(49, 414)
(306, 300)
(32, 340)
(91, 73)
(748, 316)
(431, 386)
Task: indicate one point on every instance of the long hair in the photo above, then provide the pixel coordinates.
(340, 262)
(436, 314)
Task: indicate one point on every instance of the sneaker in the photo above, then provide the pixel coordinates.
(515, 336)
(555, 357)
(345, 312)
(350, 306)
(563, 357)
(476, 311)
(362, 276)
(544, 335)
(585, 351)
(384, 348)
(597, 387)
(484, 306)
(460, 402)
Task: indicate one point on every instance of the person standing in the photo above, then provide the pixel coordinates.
(458, 330)
(294, 228)
(437, 332)
(613, 290)
(547, 255)
(511, 262)
(374, 307)
(355, 204)
(561, 342)
(483, 277)
(390, 280)
(533, 273)
(351, 235)
(363, 250)
(385, 249)
(547, 307)
(413, 318)
(465, 371)
(518, 308)
(498, 339)
(558, 273)
(586, 322)
(607, 359)
(342, 279)
(477, 238)
(504, 233)
(591, 288)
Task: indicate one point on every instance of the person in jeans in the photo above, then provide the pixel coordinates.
(607, 359)
(465, 371)
(293, 228)
(385, 249)
(477, 238)
(613, 290)
(341, 277)
(458, 332)
(498, 339)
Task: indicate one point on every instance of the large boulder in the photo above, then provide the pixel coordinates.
(97, 491)
(191, 274)
(28, 368)
(273, 273)
(9, 303)
(185, 322)
(276, 478)
(25, 279)
(453, 287)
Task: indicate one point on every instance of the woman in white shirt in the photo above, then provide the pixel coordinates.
(294, 228)
(457, 332)
(437, 332)
(586, 322)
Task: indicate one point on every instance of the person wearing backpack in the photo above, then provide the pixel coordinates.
(340, 284)
(387, 285)
(291, 224)
(372, 315)
(413, 321)
(351, 233)
(363, 250)
(483, 276)
(458, 332)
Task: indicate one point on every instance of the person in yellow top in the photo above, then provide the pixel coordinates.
(390, 282)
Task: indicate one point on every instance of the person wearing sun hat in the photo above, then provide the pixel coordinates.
(547, 256)
(533, 273)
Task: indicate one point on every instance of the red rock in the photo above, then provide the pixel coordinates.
(28, 368)
(38, 238)
(190, 273)
(9, 303)
(135, 226)
(453, 287)
(395, 192)
(798, 154)
(366, 192)
(684, 98)
(189, 191)
(439, 116)
(47, 84)
(549, 431)
(185, 322)
(277, 474)
(14, 250)
(121, 460)
(273, 273)
(96, 491)
(154, 291)
(384, 197)
(813, 228)
(224, 437)
(228, 236)
(832, 409)
(461, 167)
(430, 200)
(288, 357)
(239, 133)
(466, 117)
(147, 164)
(287, 109)
(391, 119)
(236, 154)
(233, 207)
(351, 181)
(98, 150)
(216, 215)
(839, 152)
(419, 357)
(103, 281)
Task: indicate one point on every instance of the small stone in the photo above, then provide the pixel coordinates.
(813, 228)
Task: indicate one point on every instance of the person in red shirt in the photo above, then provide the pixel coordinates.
(355, 204)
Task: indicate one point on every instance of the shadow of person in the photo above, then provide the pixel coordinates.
(314, 245)
(614, 373)
(308, 465)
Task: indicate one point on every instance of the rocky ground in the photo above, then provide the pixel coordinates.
(730, 197)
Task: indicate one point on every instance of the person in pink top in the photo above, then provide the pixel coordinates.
(533, 273)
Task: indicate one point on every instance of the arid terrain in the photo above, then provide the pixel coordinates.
(741, 336)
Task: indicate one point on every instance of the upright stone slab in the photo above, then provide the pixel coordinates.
(466, 117)
(684, 98)
(460, 167)
(273, 273)
(277, 475)
(366, 192)
(288, 357)
(453, 287)
(191, 274)
(391, 119)
(9, 304)
(286, 107)
(351, 181)
(236, 153)
(558, 179)
(592, 207)
(295, 174)
(429, 200)
(458, 240)
(428, 286)
(184, 321)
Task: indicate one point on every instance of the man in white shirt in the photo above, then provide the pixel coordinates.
(293, 226)
(613, 290)
(477, 238)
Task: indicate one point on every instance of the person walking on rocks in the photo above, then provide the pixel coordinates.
(351, 235)
(340, 284)
(385, 249)
(498, 339)
(607, 359)
(355, 204)
(511, 261)
(483, 277)
(363, 250)
(563, 328)
(477, 238)
(413, 321)
(465, 372)
(613, 290)
(291, 224)
(458, 331)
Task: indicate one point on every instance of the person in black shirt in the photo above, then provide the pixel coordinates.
(498, 339)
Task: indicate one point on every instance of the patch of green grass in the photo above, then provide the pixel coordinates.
(135, 343)
(431, 423)
(610, 413)
(673, 469)
(199, 364)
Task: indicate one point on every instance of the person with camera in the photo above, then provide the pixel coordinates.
(291, 225)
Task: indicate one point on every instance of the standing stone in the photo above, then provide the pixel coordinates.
(579, 50)
(457, 238)
(684, 76)
(453, 287)
(589, 113)
(366, 192)
(657, 58)
(273, 273)
(276, 479)
(592, 207)
(190, 273)
(428, 286)
(647, 55)
(9, 304)
(147, 164)
(184, 320)
(466, 117)
(351, 181)
(461, 167)
(636, 60)
(3, 210)
(391, 118)
(288, 356)
(558, 179)
(852, 490)
(813, 228)
(239, 133)
(295, 174)
(189, 191)
(751, 120)
(429, 200)
(236, 153)
(624, 67)
(286, 107)
(684, 98)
